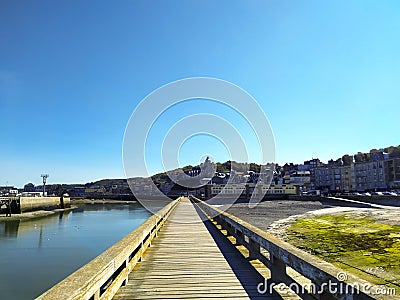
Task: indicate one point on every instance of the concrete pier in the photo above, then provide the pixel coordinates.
(37, 203)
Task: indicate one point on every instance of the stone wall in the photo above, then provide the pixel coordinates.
(37, 203)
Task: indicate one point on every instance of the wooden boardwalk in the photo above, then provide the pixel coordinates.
(187, 261)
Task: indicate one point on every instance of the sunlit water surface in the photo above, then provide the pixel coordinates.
(36, 254)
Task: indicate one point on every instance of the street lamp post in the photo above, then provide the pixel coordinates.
(44, 177)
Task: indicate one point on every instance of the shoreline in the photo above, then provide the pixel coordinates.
(101, 201)
(44, 213)
(34, 214)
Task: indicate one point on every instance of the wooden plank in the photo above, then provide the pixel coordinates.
(183, 262)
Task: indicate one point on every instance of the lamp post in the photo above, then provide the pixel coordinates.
(44, 177)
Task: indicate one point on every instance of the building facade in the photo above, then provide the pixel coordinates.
(382, 174)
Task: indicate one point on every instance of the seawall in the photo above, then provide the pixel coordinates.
(37, 203)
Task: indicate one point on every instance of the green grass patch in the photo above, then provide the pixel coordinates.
(358, 244)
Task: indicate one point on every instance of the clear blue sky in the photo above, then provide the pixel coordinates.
(327, 74)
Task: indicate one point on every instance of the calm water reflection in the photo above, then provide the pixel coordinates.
(36, 254)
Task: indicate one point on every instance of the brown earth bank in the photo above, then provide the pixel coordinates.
(364, 242)
(368, 246)
(267, 212)
(34, 214)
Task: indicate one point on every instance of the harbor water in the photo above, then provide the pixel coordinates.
(38, 253)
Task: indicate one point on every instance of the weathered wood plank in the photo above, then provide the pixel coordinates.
(184, 262)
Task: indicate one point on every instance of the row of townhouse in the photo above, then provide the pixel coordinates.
(249, 189)
(365, 176)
